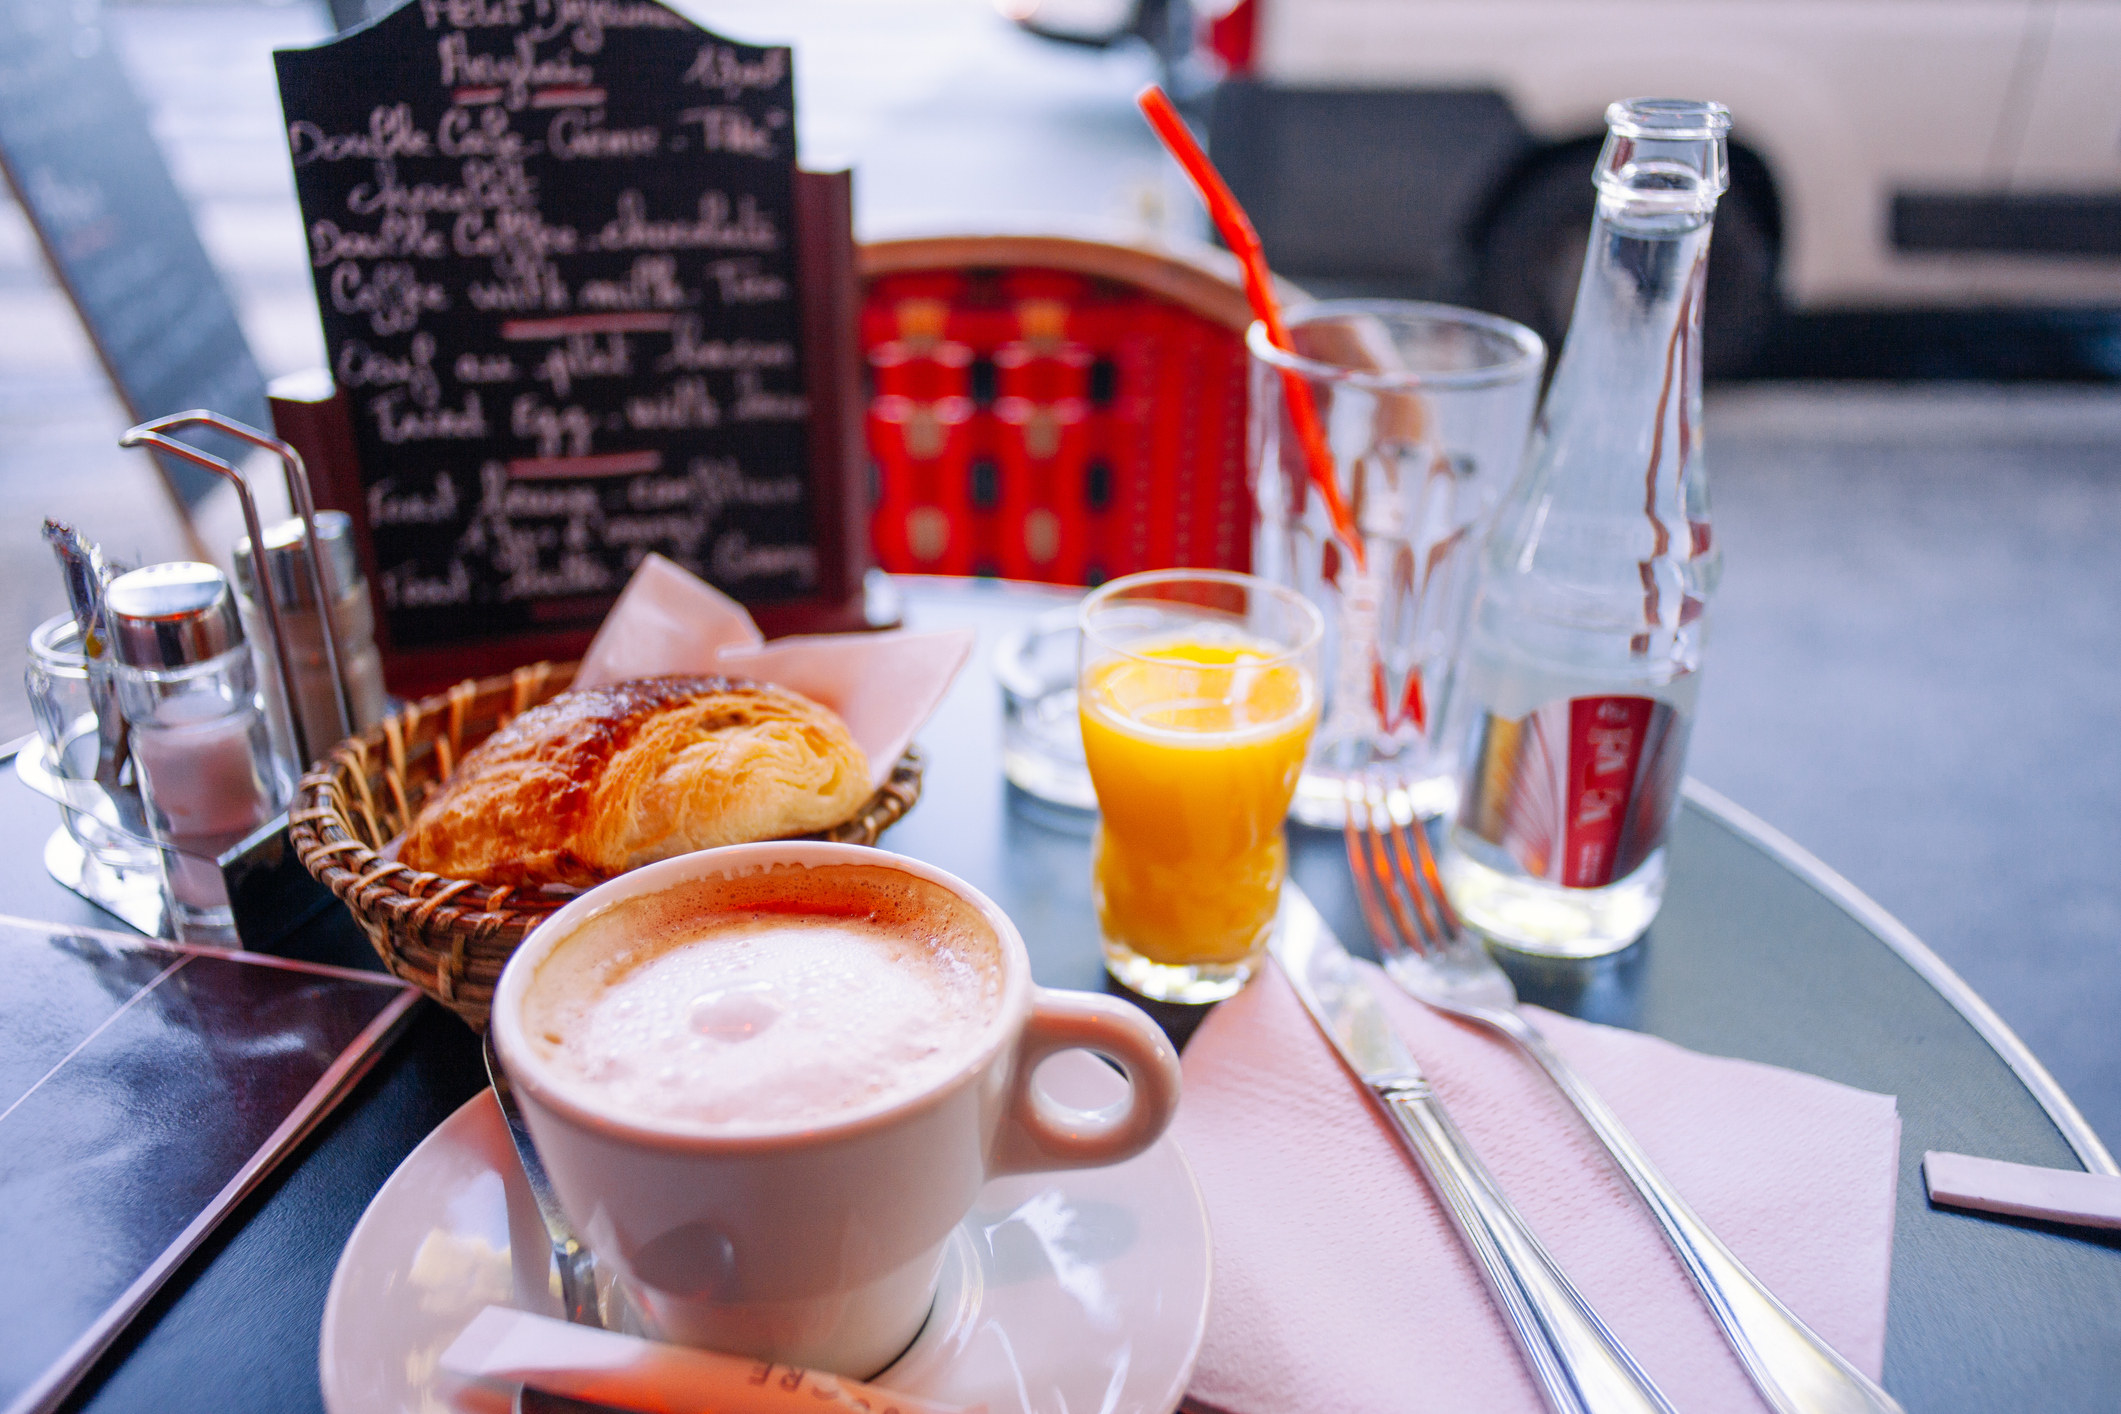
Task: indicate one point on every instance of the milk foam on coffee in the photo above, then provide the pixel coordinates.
(792, 996)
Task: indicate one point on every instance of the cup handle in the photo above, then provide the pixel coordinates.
(1037, 1133)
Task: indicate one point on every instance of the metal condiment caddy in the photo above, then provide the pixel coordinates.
(163, 649)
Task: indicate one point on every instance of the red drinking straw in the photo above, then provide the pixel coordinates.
(1237, 233)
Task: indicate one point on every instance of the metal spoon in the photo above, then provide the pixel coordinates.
(578, 1273)
(578, 1277)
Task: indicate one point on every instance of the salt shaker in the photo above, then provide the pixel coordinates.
(285, 574)
(200, 739)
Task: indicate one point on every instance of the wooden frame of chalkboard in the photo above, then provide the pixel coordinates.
(580, 306)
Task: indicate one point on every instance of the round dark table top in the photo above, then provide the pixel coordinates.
(1760, 952)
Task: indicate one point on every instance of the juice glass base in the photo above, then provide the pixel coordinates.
(1191, 984)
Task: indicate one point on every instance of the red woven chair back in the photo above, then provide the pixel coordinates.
(1052, 409)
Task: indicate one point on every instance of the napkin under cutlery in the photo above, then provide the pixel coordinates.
(1339, 1285)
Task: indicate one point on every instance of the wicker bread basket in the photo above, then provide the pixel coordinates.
(450, 937)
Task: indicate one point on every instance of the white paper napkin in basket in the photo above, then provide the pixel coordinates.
(883, 685)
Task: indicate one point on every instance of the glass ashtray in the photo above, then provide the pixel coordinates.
(1042, 742)
(92, 853)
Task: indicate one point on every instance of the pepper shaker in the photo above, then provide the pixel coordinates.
(286, 577)
(201, 742)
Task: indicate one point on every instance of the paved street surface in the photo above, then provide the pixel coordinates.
(1916, 669)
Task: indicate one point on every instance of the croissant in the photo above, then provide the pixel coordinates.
(601, 780)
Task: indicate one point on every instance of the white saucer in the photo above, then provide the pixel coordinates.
(1061, 1292)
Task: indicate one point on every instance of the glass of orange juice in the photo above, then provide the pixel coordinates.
(1197, 690)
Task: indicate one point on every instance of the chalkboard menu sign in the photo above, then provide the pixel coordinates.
(75, 146)
(557, 257)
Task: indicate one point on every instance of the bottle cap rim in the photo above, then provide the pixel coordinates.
(1668, 119)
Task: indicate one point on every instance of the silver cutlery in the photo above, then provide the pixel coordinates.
(86, 573)
(1578, 1364)
(578, 1281)
(1430, 954)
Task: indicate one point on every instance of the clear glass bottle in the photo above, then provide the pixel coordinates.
(1582, 658)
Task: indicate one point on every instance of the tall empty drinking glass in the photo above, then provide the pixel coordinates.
(1197, 691)
(1425, 409)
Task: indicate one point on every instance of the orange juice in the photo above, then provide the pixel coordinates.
(1194, 745)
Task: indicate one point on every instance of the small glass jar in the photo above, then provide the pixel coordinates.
(198, 731)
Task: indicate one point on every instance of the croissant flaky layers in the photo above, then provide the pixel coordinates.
(605, 779)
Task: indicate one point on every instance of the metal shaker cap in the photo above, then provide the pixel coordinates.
(285, 568)
(167, 616)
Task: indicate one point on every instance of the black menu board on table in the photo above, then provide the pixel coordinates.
(560, 256)
(75, 146)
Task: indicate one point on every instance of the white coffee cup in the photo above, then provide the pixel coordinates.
(820, 1244)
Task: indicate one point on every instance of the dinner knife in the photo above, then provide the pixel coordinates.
(1578, 1364)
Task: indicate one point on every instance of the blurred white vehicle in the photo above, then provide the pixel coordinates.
(1886, 152)
(1095, 22)
(1166, 26)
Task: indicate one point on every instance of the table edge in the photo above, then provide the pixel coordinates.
(2061, 1110)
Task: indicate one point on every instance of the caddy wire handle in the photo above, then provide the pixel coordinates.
(153, 433)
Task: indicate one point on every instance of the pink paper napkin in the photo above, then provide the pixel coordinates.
(883, 685)
(1340, 1286)
(667, 620)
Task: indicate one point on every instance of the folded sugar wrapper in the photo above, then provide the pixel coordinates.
(612, 1370)
(1340, 1285)
(883, 685)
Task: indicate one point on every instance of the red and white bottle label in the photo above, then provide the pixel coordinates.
(1579, 792)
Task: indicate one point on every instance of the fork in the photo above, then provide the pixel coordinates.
(1430, 954)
